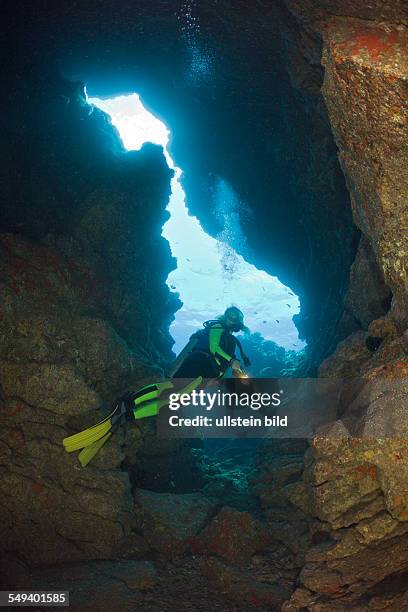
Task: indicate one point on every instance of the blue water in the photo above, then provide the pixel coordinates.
(210, 274)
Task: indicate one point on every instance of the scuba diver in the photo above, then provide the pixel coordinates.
(209, 353)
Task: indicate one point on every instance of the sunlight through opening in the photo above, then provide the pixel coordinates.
(210, 274)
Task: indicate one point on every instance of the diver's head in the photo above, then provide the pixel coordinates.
(233, 319)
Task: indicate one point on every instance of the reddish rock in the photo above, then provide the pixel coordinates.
(364, 88)
(301, 600)
(233, 535)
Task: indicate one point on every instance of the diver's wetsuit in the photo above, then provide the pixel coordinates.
(214, 349)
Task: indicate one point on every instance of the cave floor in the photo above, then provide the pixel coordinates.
(130, 585)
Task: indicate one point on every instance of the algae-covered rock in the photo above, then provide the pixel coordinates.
(61, 362)
(375, 299)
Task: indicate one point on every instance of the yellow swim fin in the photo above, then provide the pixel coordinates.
(86, 437)
(146, 402)
(90, 451)
(153, 407)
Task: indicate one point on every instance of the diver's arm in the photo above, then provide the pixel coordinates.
(216, 349)
(219, 351)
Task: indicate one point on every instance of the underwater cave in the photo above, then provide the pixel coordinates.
(164, 163)
(210, 274)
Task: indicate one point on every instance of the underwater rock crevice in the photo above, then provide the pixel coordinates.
(72, 281)
(276, 151)
(74, 204)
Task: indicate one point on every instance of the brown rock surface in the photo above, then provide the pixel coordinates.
(311, 12)
(235, 536)
(244, 588)
(365, 89)
(368, 297)
(349, 356)
(349, 511)
(356, 476)
(51, 330)
(74, 337)
(170, 521)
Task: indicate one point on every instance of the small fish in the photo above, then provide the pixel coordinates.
(277, 320)
(263, 289)
(288, 305)
(263, 321)
(290, 293)
(173, 286)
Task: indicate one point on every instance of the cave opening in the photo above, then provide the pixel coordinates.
(211, 274)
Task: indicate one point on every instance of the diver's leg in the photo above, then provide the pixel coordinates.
(143, 403)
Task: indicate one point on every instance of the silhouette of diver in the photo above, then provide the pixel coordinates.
(209, 353)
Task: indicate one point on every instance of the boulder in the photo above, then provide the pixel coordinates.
(234, 536)
(374, 301)
(346, 360)
(170, 521)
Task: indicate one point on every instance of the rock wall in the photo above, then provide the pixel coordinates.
(366, 63)
(353, 488)
(84, 317)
